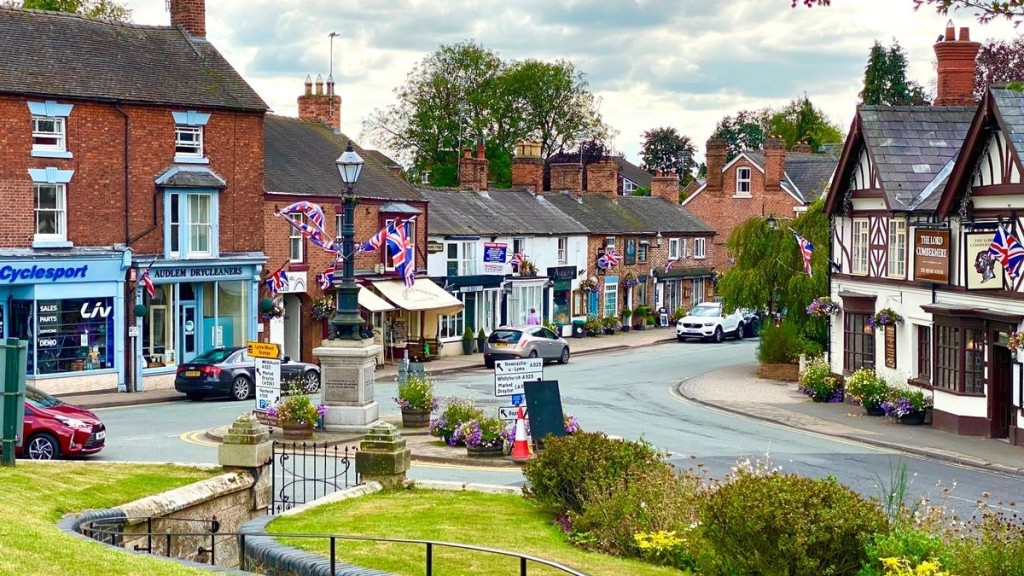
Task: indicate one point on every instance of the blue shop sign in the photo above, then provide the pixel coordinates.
(494, 252)
(60, 271)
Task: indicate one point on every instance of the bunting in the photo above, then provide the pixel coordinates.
(326, 278)
(311, 227)
(375, 241)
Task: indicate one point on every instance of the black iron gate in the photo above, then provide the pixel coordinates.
(302, 472)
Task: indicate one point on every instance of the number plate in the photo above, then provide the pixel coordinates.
(192, 373)
(501, 344)
(101, 434)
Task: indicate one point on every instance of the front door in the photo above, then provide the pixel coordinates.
(999, 393)
(187, 313)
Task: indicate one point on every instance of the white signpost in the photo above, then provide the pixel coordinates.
(509, 413)
(509, 375)
(268, 383)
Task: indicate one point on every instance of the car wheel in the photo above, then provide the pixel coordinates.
(739, 331)
(193, 396)
(311, 382)
(43, 447)
(680, 338)
(489, 363)
(717, 338)
(564, 358)
(240, 388)
(533, 354)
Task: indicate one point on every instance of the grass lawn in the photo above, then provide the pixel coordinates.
(506, 522)
(36, 495)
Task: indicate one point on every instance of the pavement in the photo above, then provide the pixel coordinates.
(736, 389)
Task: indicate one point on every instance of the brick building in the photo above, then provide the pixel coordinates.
(757, 183)
(122, 148)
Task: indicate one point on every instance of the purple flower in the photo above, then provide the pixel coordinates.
(272, 411)
(321, 409)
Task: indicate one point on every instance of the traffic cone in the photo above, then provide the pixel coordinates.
(520, 447)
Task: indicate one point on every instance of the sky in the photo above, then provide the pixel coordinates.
(679, 63)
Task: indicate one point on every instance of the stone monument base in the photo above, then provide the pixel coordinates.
(347, 372)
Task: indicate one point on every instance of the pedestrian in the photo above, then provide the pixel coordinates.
(533, 319)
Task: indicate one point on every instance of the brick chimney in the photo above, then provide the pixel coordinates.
(528, 167)
(319, 106)
(803, 148)
(774, 161)
(190, 15)
(473, 171)
(715, 158)
(665, 186)
(603, 178)
(956, 68)
(567, 177)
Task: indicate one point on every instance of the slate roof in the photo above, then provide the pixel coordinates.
(190, 177)
(910, 146)
(631, 214)
(497, 212)
(1011, 109)
(632, 172)
(55, 54)
(381, 158)
(807, 175)
(299, 159)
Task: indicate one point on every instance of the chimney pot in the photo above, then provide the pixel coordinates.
(950, 31)
(318, 106)
(956, 67)
(965, 34)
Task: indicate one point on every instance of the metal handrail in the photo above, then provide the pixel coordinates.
(96, 528)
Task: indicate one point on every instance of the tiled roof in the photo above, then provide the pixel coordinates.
(632, 172)
(299, 159)
(381, 158)
(631, 214)
(497, 212)
(190, 177)
(1011, 110)
(910, 145)
(64, 55)
(808, 173)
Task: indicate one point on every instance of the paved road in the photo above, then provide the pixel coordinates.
(628, 394)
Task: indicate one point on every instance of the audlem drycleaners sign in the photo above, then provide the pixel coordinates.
(931, 255)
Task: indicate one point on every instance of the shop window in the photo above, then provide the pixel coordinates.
(859, 339)
(974, 362)
(860, 246)
(698, 292)
(641, 252)
(65, 336)
(947, 351)
(295, 240)
(157, 327)
(897, 262)
(50, 129)
(451, 326)
(561, 295)
(563, 249)
(191, 225)
(521, 300)
(924, 353)
(641, 293)
(229, 328)
(673, 295)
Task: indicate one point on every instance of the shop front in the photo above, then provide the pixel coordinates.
(683, 288)
(70, 310)
(198, 305)
(562, 278)
(523, 294)
(414, 325)
(481, 295)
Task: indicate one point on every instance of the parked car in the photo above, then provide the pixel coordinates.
(55, 429)
(510, 342)
(751, 323)
(708, 322)
(232, 372)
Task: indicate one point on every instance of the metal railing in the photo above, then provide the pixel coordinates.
(303, 472)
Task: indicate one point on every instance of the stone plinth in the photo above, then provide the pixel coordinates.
(347, 372)
(246, 445)
(383, 456)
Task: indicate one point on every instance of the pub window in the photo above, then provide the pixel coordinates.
(897, 248)
(924, 353)
(947, 352)
(974, 362)
(859, 339)
(860, 246)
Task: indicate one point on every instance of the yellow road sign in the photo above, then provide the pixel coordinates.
(263, 349)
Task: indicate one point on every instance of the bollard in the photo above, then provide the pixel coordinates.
(14, 354)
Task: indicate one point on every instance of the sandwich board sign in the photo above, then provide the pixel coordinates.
(509, 375)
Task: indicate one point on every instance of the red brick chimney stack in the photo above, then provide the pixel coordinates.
(528, 167)
(956, 58)
(567, 177)
(481, 165)
(473, 171)
(319, 106)
(774, 161)
(603, 178)
(715, 158)
(665, 186)
(190, 15)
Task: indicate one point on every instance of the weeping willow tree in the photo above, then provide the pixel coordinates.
(768, 273)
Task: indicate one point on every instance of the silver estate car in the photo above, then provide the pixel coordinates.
(510, 342)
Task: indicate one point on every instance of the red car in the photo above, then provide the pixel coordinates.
(55, 429)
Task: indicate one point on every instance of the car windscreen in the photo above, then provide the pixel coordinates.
(39, 398)
(706, 311)
(215, 356)
(510, 336)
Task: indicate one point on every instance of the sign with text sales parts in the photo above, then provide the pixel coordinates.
(509, 375)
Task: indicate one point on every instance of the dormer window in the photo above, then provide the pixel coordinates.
(189, 147)
(49, 129)
(743, 182)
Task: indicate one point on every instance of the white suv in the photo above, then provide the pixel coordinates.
(706, 321)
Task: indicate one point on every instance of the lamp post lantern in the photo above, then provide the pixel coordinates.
(347, 322)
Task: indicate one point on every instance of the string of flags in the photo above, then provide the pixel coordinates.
(806, 249)
(1008, 251)
(310, 227)
(517, 259)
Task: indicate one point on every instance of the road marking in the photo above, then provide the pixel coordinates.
(975, 501)
(198, 438)
(422, 464)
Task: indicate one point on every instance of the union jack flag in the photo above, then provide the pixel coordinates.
(311, 226)
(277, 281)
(517, 259)
(1008, 251)
(399, 244)
(375, 241)
(670, 263)
(806, 249)
(326, 278)
(147, 282)
(313, 212)
(610, 258)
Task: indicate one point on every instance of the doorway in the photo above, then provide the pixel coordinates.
(187, 312)
(292, 326)
(1000, 401)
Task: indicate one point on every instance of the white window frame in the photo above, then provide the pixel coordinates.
(59, 133)
(563, 249)
(611, 295)
(628, 187)
(743, 179)
(60, 233)
(700, 248)
(860, 237)
(464, 258)
(897, 261)
(698, 295)
(673, 248)
(296, 243)
(643, 251)
(195, 226)
(180, 225)
(609, 242)
(196, 145)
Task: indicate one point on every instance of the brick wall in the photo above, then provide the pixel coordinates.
(528, 172)
(956, 56)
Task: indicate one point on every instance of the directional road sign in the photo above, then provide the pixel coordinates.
(263, 350)
(268, 382)
(509, 413)
(509, 375)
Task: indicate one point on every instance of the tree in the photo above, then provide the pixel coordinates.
(998, 61)
(985, 10)
(885, 79)
(106, 9)
(801, 121)
(666, 149)
(744, 131)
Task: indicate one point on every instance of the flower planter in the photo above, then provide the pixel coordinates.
(292, 431)
(785, 372)
(480, 343)
(913, 419)
(874, 411)
(485, 451)
(467, 347)
(415, 417)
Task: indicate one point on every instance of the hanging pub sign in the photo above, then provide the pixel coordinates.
(890, 347)
(931, 255)
(981, 269)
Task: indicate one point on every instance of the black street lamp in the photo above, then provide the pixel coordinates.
(347, 322)
(772, 223)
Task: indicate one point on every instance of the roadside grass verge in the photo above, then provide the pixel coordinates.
(503, 521)
(36, 495)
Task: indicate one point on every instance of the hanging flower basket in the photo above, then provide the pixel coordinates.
(1016, 343)
(527, 268)
(886, 317)
(629, 281)
(276, 310)
(323, 308)
(822, 307)
(588, 285)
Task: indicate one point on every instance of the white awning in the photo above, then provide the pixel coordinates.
(372, 302)
(424, 295)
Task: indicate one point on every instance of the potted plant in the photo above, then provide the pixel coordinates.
(626, 315)
(869, 390)
(275, 310)
(822, 307)
(593, 326)
(481, 340)
(640, 317)
(416, 400)
(650, 320)
(322, 309)
(456, 411)
(908, 406)
(483, 437)
(527, 268)
(296, 414)
(885, 317)
(588, 285)
(467, 340)
(609, 323)
(818, 382)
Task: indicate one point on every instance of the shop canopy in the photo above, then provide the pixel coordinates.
(372, 302)
(424, 295)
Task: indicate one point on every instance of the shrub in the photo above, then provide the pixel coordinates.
(913, 545)
(818, 382)
(785, 524)
(868, 388)
(572, 470)
(779, 344)
(467, 334)
(991, 545)
(456, 411)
